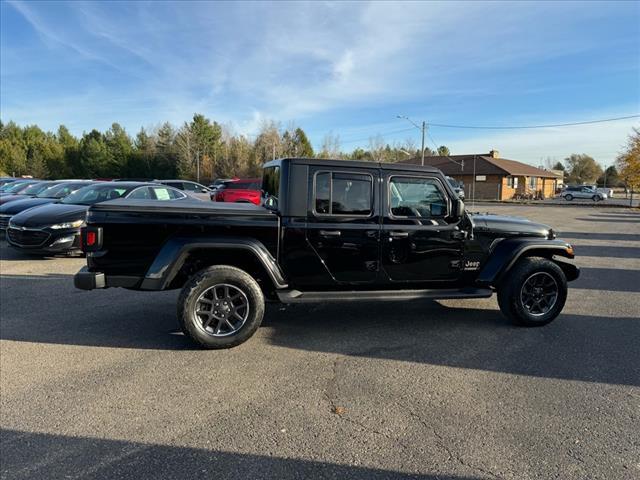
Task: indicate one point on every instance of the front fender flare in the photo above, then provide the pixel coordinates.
(173, 253)
(508, 251)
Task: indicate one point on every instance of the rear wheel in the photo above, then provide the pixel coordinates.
(220, 307)
(568, 198)
(534, 293)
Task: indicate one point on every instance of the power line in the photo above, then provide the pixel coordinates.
(495, 127)
(460, 164)
(373, 136)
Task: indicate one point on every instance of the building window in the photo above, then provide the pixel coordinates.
(512, 182)
(533, 183)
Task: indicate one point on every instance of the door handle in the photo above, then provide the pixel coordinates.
(398, 234)
(330, 233)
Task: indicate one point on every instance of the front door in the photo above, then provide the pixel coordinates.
(343, 226)
(419, 242)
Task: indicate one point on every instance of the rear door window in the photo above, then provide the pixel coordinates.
(164, 194)
(338, 193)
(142, 193)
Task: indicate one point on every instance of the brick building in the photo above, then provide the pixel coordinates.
(495, 178)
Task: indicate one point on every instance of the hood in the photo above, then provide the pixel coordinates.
(505, 226)
(12, 198)
(50, 214)
(18, 206)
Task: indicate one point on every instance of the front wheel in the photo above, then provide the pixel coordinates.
(596, 198)
(534, 292)
(220, 307)
(568, 198)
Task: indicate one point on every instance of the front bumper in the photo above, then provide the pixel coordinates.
(86, 280)
(44, 241)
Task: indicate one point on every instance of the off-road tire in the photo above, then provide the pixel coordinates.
(207, 278)
(509, 292)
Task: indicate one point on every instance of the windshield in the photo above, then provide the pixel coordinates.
(14, 187)
(61, 190)
(36, 188)
(95, 194)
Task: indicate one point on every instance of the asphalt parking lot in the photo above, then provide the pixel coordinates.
(100, 385)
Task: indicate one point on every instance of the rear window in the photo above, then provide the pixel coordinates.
(242, 185)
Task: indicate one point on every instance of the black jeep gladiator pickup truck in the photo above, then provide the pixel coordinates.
(328, 230)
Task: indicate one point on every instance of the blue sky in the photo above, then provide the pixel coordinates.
(346, 68)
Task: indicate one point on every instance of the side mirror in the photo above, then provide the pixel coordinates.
(270, 202)
(458, 208)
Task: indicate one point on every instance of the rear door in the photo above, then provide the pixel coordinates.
(418, 243)
(343, 226)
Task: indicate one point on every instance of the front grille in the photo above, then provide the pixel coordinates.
(4, 221)
(27, 238)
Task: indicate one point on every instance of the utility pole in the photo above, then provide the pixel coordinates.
(423, 128)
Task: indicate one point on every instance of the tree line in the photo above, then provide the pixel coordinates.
(203, 150)
(199, 150)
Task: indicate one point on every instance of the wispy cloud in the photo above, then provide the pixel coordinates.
(346, 67)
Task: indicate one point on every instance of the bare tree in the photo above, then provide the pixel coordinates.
(330, 146)
(376, 148)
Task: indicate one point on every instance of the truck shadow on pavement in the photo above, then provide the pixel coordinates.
(472, 335)
(574, 347)
(38, 455)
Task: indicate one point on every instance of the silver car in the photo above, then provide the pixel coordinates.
(583, 191)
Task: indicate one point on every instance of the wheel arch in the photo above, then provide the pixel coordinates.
(180, 258)
(509, 251)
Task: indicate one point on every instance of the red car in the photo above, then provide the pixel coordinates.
(245, 190)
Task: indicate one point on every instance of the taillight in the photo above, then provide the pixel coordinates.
(91, 239)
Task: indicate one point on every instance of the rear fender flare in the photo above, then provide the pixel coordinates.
(509, 251)
(174, 252)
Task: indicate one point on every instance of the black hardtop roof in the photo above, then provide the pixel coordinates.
(352, 164)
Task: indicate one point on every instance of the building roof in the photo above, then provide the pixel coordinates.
(485, 164)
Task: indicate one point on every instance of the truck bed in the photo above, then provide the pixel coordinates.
(134, 231)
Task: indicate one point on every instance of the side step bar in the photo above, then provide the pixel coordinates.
(296, 296)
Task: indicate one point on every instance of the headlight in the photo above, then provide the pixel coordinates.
(76, 224)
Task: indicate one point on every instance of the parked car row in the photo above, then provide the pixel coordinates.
(45, 216)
